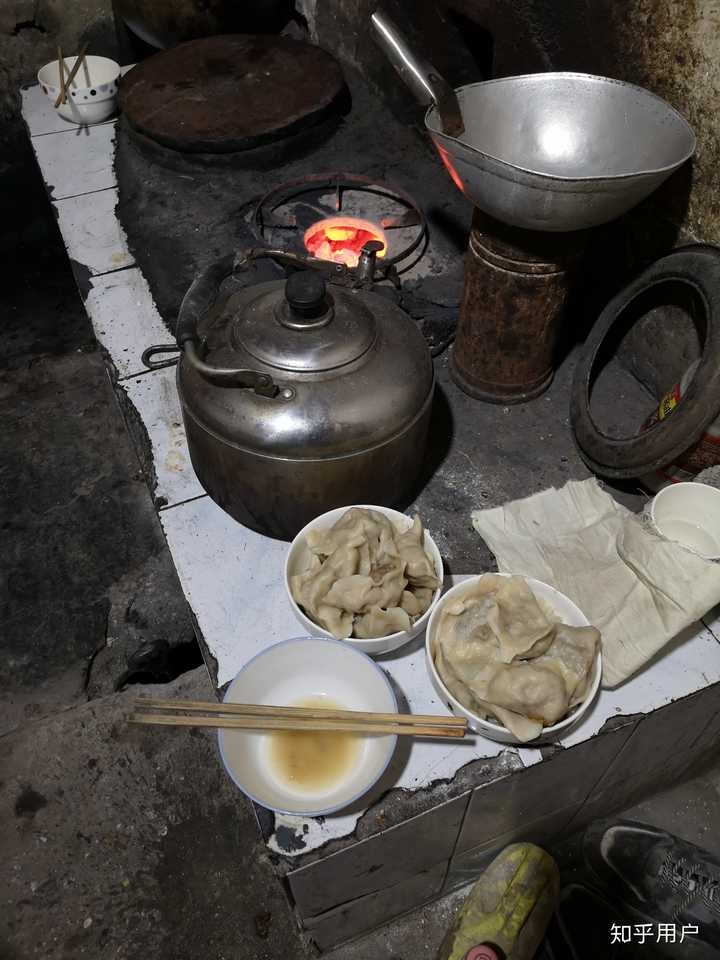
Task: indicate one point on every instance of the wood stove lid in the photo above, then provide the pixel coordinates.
(233, 92)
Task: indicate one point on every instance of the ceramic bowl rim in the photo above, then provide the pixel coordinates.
(416, 628)
(326, 811)
(556, 728)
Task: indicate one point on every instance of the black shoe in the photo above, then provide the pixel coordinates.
(666, 879)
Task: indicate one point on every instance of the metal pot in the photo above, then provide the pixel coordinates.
(299, 396)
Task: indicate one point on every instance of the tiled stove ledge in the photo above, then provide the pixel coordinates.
(449, 806)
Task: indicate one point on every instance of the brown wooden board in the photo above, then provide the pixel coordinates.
(233, 92)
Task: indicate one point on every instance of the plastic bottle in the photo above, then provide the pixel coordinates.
(509, 908)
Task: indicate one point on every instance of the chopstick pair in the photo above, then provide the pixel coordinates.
(65, 82)
(246, 716)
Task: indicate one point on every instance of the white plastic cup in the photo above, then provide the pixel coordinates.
(689, 514)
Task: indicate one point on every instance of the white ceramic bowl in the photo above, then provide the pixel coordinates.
(689, 514)
(93, 92)
(298, 558)
(566, 611)
(281, 676)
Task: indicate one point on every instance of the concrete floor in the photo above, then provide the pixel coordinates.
(123, 842)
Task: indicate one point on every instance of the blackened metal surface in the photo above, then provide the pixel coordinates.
(235, 92)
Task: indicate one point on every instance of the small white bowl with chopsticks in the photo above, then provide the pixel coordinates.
(288, 675)
(91, 95)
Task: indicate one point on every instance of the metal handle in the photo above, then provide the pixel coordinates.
(420, 76)
(147, 356)
(260, 383)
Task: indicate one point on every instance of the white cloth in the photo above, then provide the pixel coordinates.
(637, 588)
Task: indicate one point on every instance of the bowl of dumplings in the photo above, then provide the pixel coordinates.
(514, 656)
(368, 575)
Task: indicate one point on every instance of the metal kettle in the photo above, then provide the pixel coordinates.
(301, 395)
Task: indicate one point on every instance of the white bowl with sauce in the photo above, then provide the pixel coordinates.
(566, 612)
(298, 559)
(314, 773)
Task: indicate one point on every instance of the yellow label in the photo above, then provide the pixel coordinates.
(668, 403)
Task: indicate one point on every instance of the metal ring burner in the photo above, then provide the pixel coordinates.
(330, 196)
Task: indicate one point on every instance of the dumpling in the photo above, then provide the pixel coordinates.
(466, 623)
(419, 568)
(519, 622)
(535, 691)
(310, 588)
(338, 622)
(358, 567)
(424, 596)
(572, 654)
(354, 528)
(351, 593)
(466, 651)
(379, 623)
(389, 583)
(540, 647)
(522, 727)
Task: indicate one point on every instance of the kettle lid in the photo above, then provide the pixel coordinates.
(303, 327)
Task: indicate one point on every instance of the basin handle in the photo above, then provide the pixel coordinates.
(420, 76)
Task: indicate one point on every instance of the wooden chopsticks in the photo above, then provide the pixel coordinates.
(246, 716)
(65, 83)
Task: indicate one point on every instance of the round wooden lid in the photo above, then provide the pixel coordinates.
(232, 92)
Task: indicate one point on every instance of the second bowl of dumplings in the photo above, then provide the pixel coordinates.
(368, 575)
(514, 656)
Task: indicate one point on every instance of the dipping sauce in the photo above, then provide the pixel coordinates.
(314, 759)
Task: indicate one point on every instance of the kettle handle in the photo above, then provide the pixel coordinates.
(196, 303)
(199, 300)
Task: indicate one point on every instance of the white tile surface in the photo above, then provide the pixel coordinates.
(125, 318)
(41, 116)
(155, 398)
(92, 233)
(78, 160)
